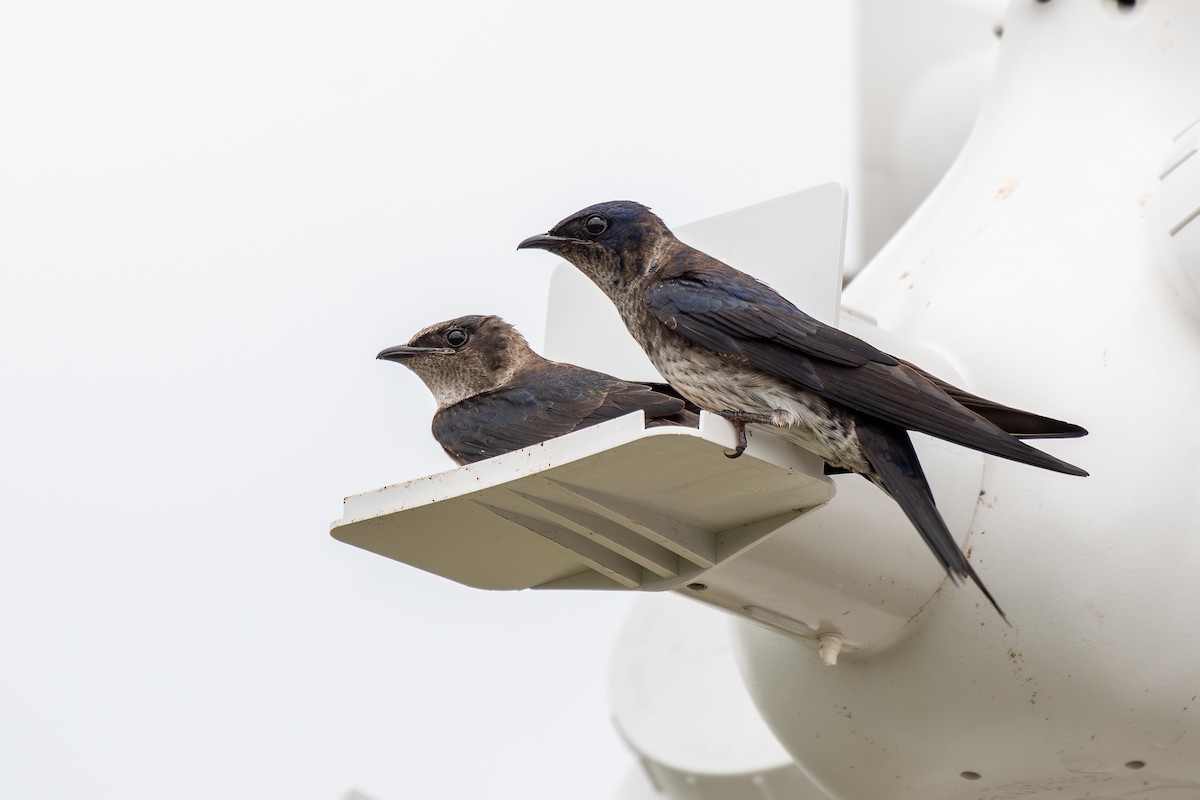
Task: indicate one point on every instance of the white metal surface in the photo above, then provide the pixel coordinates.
(1041, 263)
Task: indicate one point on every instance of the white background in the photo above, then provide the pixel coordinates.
(212, 216)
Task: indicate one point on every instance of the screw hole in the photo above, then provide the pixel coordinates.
(697, 587)
(970, 776)
(1134, 764)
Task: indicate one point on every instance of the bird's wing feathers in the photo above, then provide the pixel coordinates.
(736, 315)
(542, 404)
(902, 396)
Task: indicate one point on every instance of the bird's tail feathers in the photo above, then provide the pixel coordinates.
(898, 472)
(1013, 421)
(1014, 449)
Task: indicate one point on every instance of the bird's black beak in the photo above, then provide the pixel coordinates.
(547, 241)
(402, 351)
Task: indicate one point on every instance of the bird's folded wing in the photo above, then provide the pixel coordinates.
(731, 313)
(541, 408)
(903, 396)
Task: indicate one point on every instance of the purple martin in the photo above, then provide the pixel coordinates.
(735, 347)
(495, 394)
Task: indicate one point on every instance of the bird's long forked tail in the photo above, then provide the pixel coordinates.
(1013, 421)
(899, 473)
(903, 396)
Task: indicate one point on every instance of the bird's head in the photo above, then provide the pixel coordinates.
(612, 243)
(463, 357)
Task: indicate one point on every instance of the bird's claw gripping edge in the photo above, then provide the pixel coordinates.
(740, 420)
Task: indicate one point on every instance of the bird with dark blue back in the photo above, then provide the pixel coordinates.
(496, 395)
(735, 347)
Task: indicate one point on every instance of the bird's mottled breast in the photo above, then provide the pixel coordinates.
(717, 382)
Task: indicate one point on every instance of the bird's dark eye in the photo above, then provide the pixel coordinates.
(456, 338)
(595, 225)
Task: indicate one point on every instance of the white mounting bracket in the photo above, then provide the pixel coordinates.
(614, 506)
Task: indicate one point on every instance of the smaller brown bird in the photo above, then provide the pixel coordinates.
(495, 394)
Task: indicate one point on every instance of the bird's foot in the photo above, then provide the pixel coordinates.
(740, 420)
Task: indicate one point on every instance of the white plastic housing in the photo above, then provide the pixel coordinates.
(1056, 263)
(679, 703)
(923, 71)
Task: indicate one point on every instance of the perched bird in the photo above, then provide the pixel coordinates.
(736, 348)
(495, 394)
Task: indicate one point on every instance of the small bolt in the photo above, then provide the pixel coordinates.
(828, 647)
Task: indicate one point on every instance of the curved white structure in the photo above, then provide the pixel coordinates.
(1057, 266)
(680, 705)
